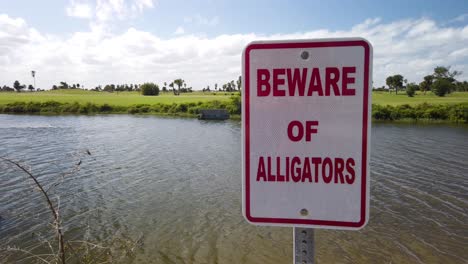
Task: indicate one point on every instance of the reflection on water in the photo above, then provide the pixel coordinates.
(176, 183)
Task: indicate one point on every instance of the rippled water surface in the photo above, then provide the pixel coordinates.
(174, 186)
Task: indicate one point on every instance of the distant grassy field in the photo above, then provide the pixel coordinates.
(385, 98)
(116, 98)
(132, 98)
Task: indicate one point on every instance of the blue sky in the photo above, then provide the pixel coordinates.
(233, 17)
(148, 40)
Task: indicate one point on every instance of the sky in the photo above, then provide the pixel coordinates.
(98, 42)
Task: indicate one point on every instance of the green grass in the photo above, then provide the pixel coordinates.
(385, 98)
(132, 98)
(116, 98)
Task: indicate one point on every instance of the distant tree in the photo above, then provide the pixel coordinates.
(445, 73)
(164, 89)
(63, 85)
(7, 89)
(395, 82)
(461, 86)
(54, 87)
(411, 89)
(108, 88)
(17, 86)
(149, 89)
(179, 82)
(78, 85)
(426, 84)
(239, 83)
(442, 72)
(233, 85)
(442, 86)
(172, 86)
(216, 86)
(31, 88)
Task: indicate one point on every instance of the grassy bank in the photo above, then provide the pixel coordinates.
(181, 109)
(457, 113)
(445, 112)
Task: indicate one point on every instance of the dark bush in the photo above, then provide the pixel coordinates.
(105, 108)
(149, 89)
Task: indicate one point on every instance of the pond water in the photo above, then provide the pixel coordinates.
(172, 187)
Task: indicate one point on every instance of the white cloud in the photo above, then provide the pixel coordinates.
(140, 5)
(106, 10)
(411, 47)
(179, 31)
(460, 18)
(202, 21)
(79, 9)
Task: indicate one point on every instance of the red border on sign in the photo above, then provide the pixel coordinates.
(345, 43)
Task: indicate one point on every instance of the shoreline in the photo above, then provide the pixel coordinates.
(421, 113)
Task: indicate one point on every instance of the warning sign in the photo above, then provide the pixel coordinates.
(306, 131)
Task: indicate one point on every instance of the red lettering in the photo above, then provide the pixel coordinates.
(297, 81)
(296, 171)
(327, 162)
(332, 81)
(263, 78)
(311, 128)
(339, 167)
(306, 171)
(261, 170)
(271, 177)
(349, 167)
(279, 177)
(315, 84)
(300, 131)
(287, 169)
(348, 80)
(316, 162)
(277, 82)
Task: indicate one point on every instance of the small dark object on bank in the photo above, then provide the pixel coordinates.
(213, 114)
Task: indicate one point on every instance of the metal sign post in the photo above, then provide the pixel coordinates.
(304, 245)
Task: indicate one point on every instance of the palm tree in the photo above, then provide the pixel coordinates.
(172, 86)
(33, 73)
(179, 83)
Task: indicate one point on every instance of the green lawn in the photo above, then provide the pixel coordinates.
(116, 98)
(131, 98)
(385, 98)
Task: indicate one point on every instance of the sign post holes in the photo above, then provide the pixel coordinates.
(306, 135)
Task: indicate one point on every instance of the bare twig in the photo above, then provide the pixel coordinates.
(54, 211)
(32, 255)
(88, 243)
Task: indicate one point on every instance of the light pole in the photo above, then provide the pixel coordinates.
(33, 73)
